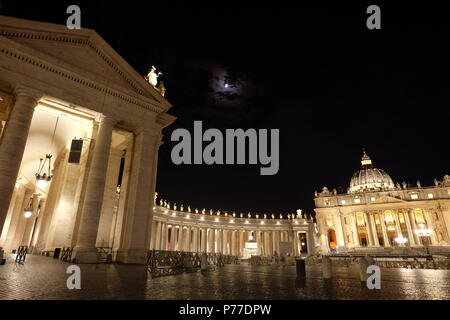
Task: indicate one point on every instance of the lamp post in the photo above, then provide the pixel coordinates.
(423, 232)
(32, 208)
(401, 240)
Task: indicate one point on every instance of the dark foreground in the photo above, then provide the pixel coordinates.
(45, 278)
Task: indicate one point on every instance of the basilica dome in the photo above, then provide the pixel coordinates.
(369, 178)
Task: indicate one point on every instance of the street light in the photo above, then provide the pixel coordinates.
(422, 231)
(28, 211)
(401, 240)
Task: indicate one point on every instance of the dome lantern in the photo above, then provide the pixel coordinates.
(369, 178)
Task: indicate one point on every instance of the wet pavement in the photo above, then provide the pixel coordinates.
(45, 278)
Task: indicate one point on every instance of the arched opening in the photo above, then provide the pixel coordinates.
(332, 243)
(362, 229)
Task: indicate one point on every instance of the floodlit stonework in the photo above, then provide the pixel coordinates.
(179, 229)
(376, 214)
(61, 88)
(68, 97)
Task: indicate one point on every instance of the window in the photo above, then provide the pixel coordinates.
(418, 214)
(414, 196)
(357, 200)
(430, 196)
(360, 219)
(388, 217)
(343, 202)
(372, 198)
(377, 219)
(330, 221)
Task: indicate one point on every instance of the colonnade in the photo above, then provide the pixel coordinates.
(229, 241)
(77, 192)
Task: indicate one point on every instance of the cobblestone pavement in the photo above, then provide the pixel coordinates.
(45, 278)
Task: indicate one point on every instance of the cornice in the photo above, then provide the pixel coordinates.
(76, 78)
(15, 28)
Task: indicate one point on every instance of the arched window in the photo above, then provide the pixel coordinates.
(332, 238)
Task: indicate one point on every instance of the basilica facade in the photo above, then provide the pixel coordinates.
(377, 215)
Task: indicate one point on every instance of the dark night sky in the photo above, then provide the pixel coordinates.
(315, 72)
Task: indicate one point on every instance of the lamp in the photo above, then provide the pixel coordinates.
(42, 177)
(401, 240)
(28, 211)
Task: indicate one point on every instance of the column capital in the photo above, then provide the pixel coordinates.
(26, 92)
(106, 119)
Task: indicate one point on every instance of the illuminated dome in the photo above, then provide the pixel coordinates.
(369, 178)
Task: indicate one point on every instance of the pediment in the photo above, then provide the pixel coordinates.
(387, 199)
(81, 51)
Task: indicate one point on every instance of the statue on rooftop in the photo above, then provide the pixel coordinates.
(152, 76)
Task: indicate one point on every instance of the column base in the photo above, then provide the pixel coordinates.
(132, 256)
(85, 255)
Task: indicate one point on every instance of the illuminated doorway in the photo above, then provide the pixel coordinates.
(332, 238)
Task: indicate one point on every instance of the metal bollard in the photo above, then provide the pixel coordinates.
(2, 260)
(300, 267)
(362, 266)
(326, 267)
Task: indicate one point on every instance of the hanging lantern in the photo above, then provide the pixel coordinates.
(28, 211)
(43, 177)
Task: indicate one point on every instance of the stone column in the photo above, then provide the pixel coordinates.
(219, 240)
(296, 243)
(109, 199)
(16, 213)
(310, 240)
(187, 241)
(374, 230)
(140, 198)
(274, 242)
(171, 238)
(233, 243)
(258, 241)
(369, 229)
(163, 241)
(209, 238)
(204, 240)
(383, 227)
(355, 231)
(431, 225)
(158, 235)
(85, 251)
(224, 241)
(412, 241)
(195, 240)
(181, 238)
(176, 235)
(241, 243)
(12, 144)
(398, 227)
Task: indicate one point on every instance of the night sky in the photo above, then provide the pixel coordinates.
(315, 72)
